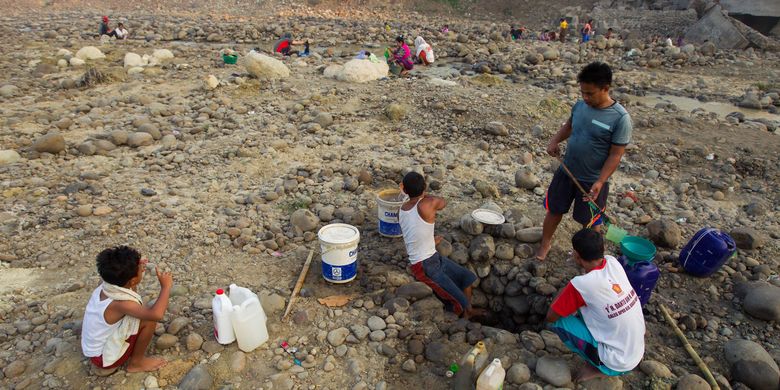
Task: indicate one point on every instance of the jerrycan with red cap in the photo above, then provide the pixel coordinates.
(222, 308)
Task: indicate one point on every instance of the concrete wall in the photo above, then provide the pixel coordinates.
(718, 29)
(752, 7)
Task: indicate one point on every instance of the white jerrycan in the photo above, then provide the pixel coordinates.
(492, 378)
(248, 318)
(221, 308)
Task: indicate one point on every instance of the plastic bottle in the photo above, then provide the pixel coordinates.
(493, 377)
(221, 308)
(248, 318)
(464, 378)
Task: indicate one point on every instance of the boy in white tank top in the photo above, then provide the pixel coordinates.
(117, 327)
(451, 282)
(598, 314)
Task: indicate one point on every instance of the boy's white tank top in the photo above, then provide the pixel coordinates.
(94, 329)
(418, 234)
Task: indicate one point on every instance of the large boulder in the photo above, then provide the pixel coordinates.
(747, 238)
(665, 232)
(304, 220)
(90, 53)
(358, 71)
(53, 142)
(751, 365)
(9, 157)
(264, 67)
(482, 248)
(763, 301)
(162, 54)
(132, 60)
(9, 90)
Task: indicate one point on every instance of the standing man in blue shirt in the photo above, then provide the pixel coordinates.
(597, 131)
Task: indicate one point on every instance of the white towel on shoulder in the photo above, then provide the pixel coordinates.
(117, 344)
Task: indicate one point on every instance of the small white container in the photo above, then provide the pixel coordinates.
(492, 378)
(221, 308)
(248, 318)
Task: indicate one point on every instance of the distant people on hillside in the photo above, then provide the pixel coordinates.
(516, 33)
(609, 33)
(680, 41)
(121, 32)
(402, 56)
(445, 29)
(285, 44)
(668, 41)
(564, 27)
(586, 31)
(423, 51)
(104, 28)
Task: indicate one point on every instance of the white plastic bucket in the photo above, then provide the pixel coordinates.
(339, 243)
(388, 207)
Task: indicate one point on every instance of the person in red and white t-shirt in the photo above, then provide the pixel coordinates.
(598, 314)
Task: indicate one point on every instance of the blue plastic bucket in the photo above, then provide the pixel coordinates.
(706, 252)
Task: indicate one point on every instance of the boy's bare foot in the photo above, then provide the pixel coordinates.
(588, 372)
(146, 364)
(541, 254)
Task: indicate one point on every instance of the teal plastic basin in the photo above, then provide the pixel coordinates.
(637, 248)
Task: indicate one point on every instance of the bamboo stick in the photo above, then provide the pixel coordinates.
(298, 284)
(692, 352)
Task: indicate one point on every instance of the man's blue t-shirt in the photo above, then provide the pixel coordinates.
(594, 131)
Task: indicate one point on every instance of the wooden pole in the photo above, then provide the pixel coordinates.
(298, 284)
(692, 352)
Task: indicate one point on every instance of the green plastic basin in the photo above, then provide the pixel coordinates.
(637, 248)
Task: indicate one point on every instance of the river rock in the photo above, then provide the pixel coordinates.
(264, 67)
(436, 352)
(376, 323)
(162, 54)
(470, 225)
(482, 248)
(139, 138)
(529, 235)
(210, 82)
(396, 112)
(414, 291)
(89, 53)
(304, 220)
(166, 341)
(751, 364)
(53, 142)
(238, 361)
(524, 178)
(692, 382)
(763, 301)
(9, 157)
(665, 233)
(655, 368)
(518, 374)
(358, 71)
(198, 378)
(133, 60)
(497, 128)
(194, 341)
(14, 369)
(747, 238)
(337, 337)
(553, 371)
(9, 90)
(177, 325)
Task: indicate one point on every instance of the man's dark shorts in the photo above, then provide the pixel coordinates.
(562, 192)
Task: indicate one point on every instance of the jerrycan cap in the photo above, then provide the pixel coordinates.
(220, 291)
